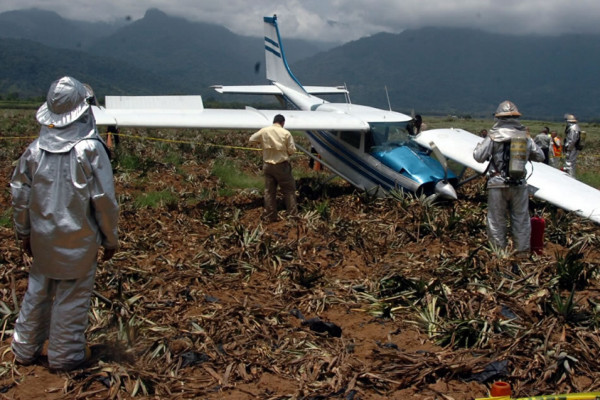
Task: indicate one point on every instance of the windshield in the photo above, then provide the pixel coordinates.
(387, 135)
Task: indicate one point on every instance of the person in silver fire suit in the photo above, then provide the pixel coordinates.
(65, 208)
(572, 134)
(543, 140)
(505, 194)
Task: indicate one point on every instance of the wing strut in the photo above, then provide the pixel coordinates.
(325, 163)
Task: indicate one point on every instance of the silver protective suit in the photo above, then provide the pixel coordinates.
(64, 201)
(506, 197)
(572, 133)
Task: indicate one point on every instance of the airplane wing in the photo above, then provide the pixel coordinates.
(274, 90)
(189, 112)
(559, 188)
(456, 144)
(545, 182)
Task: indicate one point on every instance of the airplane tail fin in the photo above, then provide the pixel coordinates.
(276, 64)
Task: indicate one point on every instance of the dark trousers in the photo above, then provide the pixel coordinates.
(546, 152)
(279, 174)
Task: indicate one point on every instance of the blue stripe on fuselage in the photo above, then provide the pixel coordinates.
(353, 161)
(365, 170)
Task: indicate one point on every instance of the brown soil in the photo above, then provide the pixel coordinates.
(203, 300)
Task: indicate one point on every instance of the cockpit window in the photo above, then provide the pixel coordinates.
(386, 136)
(350, 137)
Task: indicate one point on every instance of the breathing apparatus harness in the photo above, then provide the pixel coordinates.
(514, 159)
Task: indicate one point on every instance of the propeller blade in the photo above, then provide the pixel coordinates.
(441, 158)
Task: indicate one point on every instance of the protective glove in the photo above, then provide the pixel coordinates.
(108, 254)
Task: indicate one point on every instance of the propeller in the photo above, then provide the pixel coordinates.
(443, 188)
(441, 158)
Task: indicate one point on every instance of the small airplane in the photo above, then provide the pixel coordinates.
(373, 149)
(368, 147)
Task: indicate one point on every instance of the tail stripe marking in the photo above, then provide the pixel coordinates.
(274, 43)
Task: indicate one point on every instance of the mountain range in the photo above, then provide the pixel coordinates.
(429, 70)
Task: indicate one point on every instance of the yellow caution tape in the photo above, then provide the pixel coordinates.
(192, 142)
(570, 396)
(187, 142)
(148, 138)
(195, 142)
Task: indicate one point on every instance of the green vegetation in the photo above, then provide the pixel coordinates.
(475, 125)
(163, 198)
(589, 177)
(129, 162)
(232, 176)
(6, 218)
(564, 307)
(18, 122)
(324, 210)
(20, 104)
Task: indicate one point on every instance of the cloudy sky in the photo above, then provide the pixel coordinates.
(345, 20)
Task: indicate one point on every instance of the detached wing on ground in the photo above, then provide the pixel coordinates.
(545, 182)
(189, 112)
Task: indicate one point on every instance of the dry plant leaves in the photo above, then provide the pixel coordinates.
(205, 301)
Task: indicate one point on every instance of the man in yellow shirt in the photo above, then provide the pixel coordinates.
(278, 145)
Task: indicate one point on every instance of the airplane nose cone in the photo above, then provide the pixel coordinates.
(445, 190)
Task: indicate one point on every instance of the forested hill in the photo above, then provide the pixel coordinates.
(466, 71)
(49, 28)
(430, 70)
(27, 68)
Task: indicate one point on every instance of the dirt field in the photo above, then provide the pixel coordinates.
(358, 298)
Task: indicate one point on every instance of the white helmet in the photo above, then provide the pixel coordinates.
(570, 118)
(507, 109)
(66, 101)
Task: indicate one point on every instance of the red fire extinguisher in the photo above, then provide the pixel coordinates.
(538, 225)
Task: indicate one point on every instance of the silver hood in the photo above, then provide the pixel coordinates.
(61, 140)
(505, 129)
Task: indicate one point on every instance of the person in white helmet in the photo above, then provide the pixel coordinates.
(571, 147)
(508, 148)
(64, 204)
